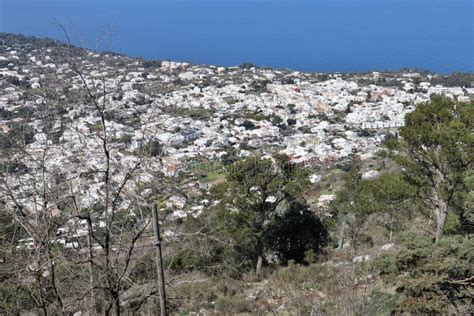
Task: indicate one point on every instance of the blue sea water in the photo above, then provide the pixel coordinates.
(317, 35)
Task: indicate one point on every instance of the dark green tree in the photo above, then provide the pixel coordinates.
(393, 197)
(257, 193)
(436, 149)
(353, 206)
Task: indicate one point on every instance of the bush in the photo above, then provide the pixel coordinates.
(276, 120)
(183, 261)
(385, 265)
(291, 122)
(453, 224)
(310, 256)
(154, 148)
(232, 305)
(314, 276)
(431, 278)
(383, 303)
(144, 270)
(248, 125)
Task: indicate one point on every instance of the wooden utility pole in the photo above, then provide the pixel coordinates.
(159, 262)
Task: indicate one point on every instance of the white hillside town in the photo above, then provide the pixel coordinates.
(196, 117)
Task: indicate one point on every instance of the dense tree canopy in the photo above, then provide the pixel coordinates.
(259, 216)
(256, 191)
(436, 150)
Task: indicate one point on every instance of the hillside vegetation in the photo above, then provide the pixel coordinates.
(276, 191)
(400, 242)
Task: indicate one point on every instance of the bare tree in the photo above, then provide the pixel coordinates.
(82, 209)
